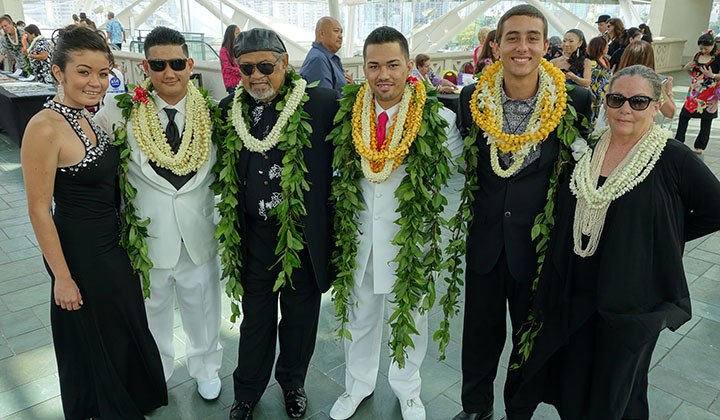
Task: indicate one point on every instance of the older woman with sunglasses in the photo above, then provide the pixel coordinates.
(613, 277)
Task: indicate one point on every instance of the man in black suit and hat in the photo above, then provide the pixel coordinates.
(275, 232)
(602, 25)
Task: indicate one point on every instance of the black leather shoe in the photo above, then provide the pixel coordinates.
(242, 410)
(474, 416)
(295, 403)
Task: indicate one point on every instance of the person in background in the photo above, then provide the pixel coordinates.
(76, 19)
(39, 53)
(627, 36)
(489, 53)
(602, 24)
(11, 45)
(615, 28)
(108, 363)
(423, 72)
(701, 101)
(170, 166)
(574, 62)
(647, 35)
(613, 278)
(228, 66)
(600, 74)
(555, 49)
(322, 64)
(115, 31)
(482, 37)
(20, 24)
(641, 52)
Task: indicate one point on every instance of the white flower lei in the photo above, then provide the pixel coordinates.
(494, 102)
(399, 122)
(593, 201)
(194, 148)
(271, 140)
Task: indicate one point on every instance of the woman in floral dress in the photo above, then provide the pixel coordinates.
(701, 101)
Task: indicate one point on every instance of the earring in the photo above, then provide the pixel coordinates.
(60, 92)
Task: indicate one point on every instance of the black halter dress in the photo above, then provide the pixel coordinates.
(108, 363)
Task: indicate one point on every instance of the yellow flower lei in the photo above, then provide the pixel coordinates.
(378, 164)
(487, 113)
(194, 149)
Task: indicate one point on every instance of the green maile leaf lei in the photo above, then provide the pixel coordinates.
(294, 138)
(134, 231)
(420, 204)
(567, 132)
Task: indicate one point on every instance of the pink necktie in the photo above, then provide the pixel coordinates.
(381, 129)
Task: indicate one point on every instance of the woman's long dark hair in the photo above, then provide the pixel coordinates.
(229, 37)
(486, 52)
(577, 59)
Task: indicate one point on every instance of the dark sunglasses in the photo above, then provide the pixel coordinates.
(637, 102)
(265, 67)
(176, 64)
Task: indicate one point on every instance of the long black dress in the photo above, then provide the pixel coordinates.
(108, 363)
(602, 314)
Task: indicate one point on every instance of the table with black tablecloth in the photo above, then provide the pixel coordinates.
(16, 110)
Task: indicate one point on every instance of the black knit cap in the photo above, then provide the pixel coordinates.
(258, 39)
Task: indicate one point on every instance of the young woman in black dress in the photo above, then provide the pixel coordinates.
(108, 363)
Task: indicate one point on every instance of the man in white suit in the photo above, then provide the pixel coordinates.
(175, 194)
(386, 67)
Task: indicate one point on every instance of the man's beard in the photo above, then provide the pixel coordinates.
(263, 96)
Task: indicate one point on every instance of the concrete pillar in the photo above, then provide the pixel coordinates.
(13, 8)
(686, 19)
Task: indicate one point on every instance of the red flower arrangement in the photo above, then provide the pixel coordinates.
(412, 79)
(141, 95)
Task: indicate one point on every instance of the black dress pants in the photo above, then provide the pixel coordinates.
(484, 329)
(701, 141)
(259, 331)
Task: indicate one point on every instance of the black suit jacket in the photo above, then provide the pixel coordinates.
(505, 208)
(317, 226)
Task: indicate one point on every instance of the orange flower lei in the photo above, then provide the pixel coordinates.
(381, 163)
(486, 108)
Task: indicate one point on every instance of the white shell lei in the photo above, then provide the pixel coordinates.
(194, 148)
(494, 102)
(593, 202)
(399, 122)
(271, 140)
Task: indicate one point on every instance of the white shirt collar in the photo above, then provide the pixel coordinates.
(179, 107)
(390, 111)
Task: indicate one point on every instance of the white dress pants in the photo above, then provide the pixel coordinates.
(362, 353)
(197, 288)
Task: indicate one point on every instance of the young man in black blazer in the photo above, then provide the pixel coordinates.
(512, 189)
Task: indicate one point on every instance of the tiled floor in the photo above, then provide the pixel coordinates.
(685, 375)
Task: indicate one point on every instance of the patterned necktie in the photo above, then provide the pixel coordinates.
(171, 131)
(381, 129)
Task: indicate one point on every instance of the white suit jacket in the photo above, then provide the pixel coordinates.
(176, 216)
(377, 220)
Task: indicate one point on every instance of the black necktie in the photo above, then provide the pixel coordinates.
(171, 131)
